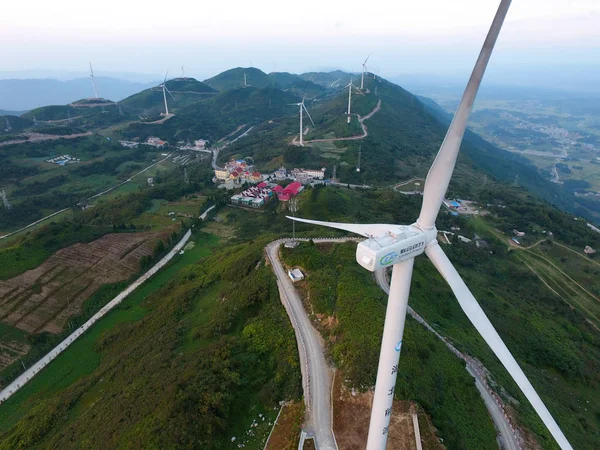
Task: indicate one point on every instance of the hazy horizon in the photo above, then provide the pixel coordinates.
(540, 39)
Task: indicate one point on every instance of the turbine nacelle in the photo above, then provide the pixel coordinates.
(387, 244)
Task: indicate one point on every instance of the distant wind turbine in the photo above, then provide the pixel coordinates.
(93, 80)
(301, 105)
(182, 72)
(364, 69)
(165, 90)
(350, 86)
(245, 84)
(397, 246)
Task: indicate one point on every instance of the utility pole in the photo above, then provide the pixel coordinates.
(8, 127)
(334, 179)
(358, 164)
(120, 110)
(69, 116)
(186, 179)
(293, 207)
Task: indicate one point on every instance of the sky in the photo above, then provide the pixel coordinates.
(440, 37)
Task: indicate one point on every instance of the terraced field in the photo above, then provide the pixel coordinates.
(43, 299)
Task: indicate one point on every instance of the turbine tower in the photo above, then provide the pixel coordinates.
(301, 105)
(350, 86)
(93, 80)
(358, 164)
(364, 69)
(165, 90)
(245, 84)
(397, 246)
(7, 205)
(182, 72)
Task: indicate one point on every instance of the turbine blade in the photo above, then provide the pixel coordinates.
(169, 92)
(304, 106)
(367, 59)
(166, 76)
(441, 170)
(485, 328)
(366, 229)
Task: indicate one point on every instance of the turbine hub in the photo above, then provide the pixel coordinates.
(396, 245)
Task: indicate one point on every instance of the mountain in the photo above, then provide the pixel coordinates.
(185, 91)
(219, 115)
(336, 78)
(296, 84)
(234, 78)
(26, 94)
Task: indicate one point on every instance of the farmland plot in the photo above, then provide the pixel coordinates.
(44, 298)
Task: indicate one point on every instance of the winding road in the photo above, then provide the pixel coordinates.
(316, 373)
(361, 120)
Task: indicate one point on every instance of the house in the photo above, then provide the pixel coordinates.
(221, 174)
(295, 275)
(293, 189)
(281, 173)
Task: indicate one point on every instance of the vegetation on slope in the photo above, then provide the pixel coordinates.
(184, 372)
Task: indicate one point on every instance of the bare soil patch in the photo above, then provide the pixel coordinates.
(352, 413)
(44, 298)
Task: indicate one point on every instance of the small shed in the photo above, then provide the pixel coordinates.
(295, 275)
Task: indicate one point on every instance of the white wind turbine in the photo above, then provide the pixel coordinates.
(364, 69)
(93, 80)
(301, 105)
(350, 86)
(165, 90)
(398, 245)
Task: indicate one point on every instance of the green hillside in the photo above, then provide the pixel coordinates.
(234, 78)
(16, 123)
(53, 112)
(295, 84)
(150, 103)
(219, 115)
(326, 79)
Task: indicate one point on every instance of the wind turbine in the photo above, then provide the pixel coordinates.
(350, 86)
(364, 69)
(182, 72)
(93, 80)
(301, 105)
(245, 84)
(165, 90)
(398, 245)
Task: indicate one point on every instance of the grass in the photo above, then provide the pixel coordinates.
(80, 359)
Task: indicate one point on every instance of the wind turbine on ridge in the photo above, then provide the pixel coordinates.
(165, 90)
(364, 69)
(350, 86)
(397, 246)
(93, 80)
(301, 105)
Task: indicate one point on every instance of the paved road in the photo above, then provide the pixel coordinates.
(316, 374)
(24, 378)
(508, 436)
(361, 120)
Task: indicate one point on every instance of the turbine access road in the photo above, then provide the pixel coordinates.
(316, 374)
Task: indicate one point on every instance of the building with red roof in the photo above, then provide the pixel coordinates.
(293, 189)
(277, 189)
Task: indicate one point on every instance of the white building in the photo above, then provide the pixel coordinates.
(295, 275)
